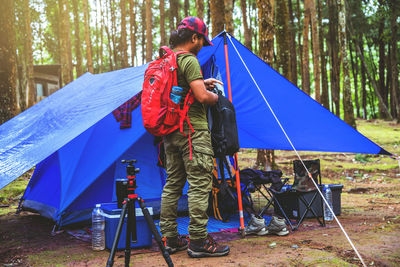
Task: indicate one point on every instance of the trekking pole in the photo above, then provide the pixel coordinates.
(238, 188)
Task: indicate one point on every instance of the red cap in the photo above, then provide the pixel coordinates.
(197, 25)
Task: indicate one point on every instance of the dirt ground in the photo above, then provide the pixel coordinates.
(370, 215)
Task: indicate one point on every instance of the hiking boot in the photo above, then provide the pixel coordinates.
(277, 227)
(174, 244)
(256, 226)
(206, 247)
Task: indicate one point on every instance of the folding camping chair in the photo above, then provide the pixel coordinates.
(301, 201)
(258, 182)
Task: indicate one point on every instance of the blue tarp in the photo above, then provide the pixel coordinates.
(77, 145)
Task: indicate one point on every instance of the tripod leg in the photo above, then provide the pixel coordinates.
(128, 234)
(110, 261)
(155, 232)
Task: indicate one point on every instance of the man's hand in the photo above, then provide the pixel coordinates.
(210, 83)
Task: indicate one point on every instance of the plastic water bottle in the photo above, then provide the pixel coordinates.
(98, 223)
(328, 195)
(176, 94)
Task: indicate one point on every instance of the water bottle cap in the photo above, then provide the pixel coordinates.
(98, 205)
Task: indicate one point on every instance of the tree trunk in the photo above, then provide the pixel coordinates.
(347, 98)
(110, 53)
(282, 41)
(143, 39)
(381, 64)
(31, 94)
(66, 39)
(8, 67)
(200, 9)
(78, 52)
(315, 51)
(149, 35)
(372, 80)
(300, 46)
(394, 7)
(173, 14)
(324, 77)
(363, 81)
(354, 67)
(162, 24)
(114, 34)
(101, 38)
(305, 85)
(123, 44)
(186, 8)
(335, 67)
(87, 36)
(265, 158)
(246, 30)
(217, 20)
(292, 46)
(228, 4)
(133, 29)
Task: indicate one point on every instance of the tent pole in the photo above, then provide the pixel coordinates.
(238, 188)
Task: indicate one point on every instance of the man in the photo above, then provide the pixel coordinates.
(190, 36)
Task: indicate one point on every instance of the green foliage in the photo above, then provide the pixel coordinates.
(362, 158)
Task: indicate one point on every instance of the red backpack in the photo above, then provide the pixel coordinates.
(161, 115)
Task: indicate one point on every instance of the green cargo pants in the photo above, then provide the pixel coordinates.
(198, 173)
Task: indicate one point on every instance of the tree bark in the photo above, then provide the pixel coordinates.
(363, 81)
(143, 39)
(265, 158)
(149, 35)
(381, 63)
(315, 51)
(217, 20)
(186, 7)
(347, 97)
(324, 77)
(292, 46)
(354, 67)
(228, 4)
(109, 41)
(87, 36)
(394, 7)
(282, 41)
(334, 60)
(300, 46)
(123, 44)
(101, 39)
(246, 29)
(133, 29)
(8, 67)
(305, 85)
(114, 34)
(162, 24)
(31, 90)
(78, 52)
(173, 14)
(200, 9)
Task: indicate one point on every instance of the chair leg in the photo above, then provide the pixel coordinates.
(310, 208)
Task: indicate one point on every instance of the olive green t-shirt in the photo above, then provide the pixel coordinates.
(189, 70)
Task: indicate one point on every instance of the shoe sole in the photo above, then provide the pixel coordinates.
(261, 232)
(280, 233)
(195, 254)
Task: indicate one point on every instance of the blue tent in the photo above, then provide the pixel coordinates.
(77, 145)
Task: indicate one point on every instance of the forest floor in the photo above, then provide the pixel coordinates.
(370, 214)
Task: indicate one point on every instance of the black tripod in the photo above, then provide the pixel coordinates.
(126, 191)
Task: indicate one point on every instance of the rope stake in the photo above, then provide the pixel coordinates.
(294, 149)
